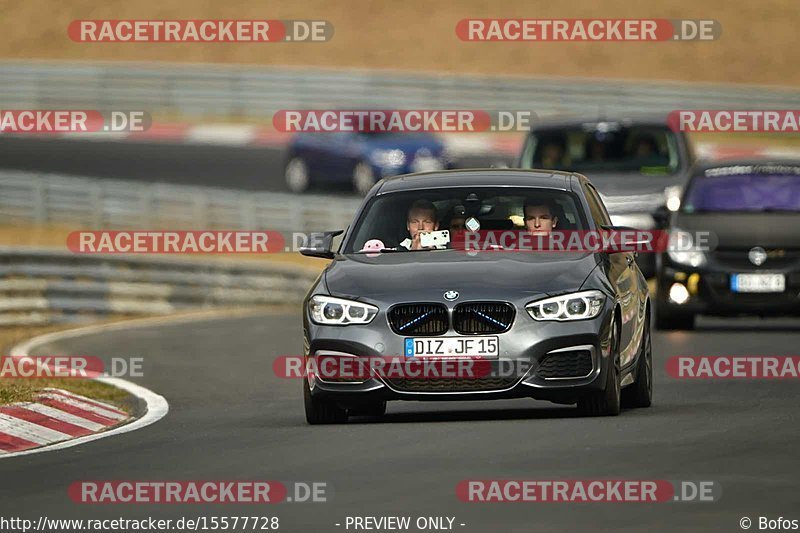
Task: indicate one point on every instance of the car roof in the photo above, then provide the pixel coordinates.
(567, 121)
(479, 177)
(727, 163)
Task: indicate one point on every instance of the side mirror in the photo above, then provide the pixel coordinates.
(628, 239)
(661, 216)
(323, 249)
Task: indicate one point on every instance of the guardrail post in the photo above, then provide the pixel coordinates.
(39, 197)
(147, 211)
(200, 211)
(247, 214)
(98, 209)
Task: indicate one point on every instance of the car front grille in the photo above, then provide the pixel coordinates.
(432, 385)
(418, 319)
(568, 364)
(483, 317)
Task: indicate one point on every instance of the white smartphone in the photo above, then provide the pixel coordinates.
(435, 239)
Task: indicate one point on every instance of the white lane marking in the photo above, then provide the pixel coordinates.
(83, 405)
(16, 427)
(87, 400)
(62, 416)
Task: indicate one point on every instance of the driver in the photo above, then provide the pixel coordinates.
(552, 154)
(421, 218)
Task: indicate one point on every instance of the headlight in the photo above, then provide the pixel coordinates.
(681, 249)
(575, 306)
(389, 158)
(672, 197)
(332, 311)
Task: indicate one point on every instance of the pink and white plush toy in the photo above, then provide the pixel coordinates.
(373, 245)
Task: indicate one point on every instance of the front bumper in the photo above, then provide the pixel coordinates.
(518, 371)
(710, 293)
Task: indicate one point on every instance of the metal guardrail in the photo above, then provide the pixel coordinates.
(51, 286)
(131, 205)
(40, 287)
(114, 204)
(201, 90)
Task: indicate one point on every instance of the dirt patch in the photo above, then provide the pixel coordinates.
(758, 43)
(55, 236)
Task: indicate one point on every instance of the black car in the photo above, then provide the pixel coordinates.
(734, 245)
(638, 164)
(575, 322)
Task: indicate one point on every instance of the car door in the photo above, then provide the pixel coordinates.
(310, 147)
(622, 273)
(342, 152)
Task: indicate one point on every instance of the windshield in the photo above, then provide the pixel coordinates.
(604, 147)
(397, 221)
(746, 192)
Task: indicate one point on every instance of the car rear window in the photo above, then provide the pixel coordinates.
(604, 147)
(745, 188)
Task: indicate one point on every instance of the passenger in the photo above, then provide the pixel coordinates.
(553, 154)
(457, 223)
(597, 151)
(540, 217)
(421, 218)
(645, 147)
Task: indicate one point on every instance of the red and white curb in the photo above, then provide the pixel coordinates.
(54, 416)
(58, 419)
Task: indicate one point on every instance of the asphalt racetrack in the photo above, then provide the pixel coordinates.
(256, 168)
(231, 418)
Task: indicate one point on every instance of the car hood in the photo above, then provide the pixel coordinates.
(426, 276)
(743, 230)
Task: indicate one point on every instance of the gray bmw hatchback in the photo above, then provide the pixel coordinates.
(435, 293)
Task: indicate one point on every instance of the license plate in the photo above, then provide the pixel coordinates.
(758, 283)
(452, 347)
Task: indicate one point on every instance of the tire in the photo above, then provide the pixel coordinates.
(363, 178)
(666, 320)
(297, 176)
(607, 401)
(319, 411)
(640, 393)
(375, 409)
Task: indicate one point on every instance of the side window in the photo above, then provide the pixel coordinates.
(598, 210)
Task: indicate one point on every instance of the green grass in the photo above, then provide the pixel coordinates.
(24, 390)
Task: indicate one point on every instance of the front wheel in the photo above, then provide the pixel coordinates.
(363, 178)
(640, 394)
(297, 176)
(319, 411)
(607, 401)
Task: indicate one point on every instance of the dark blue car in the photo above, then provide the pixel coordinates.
(360, 159)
